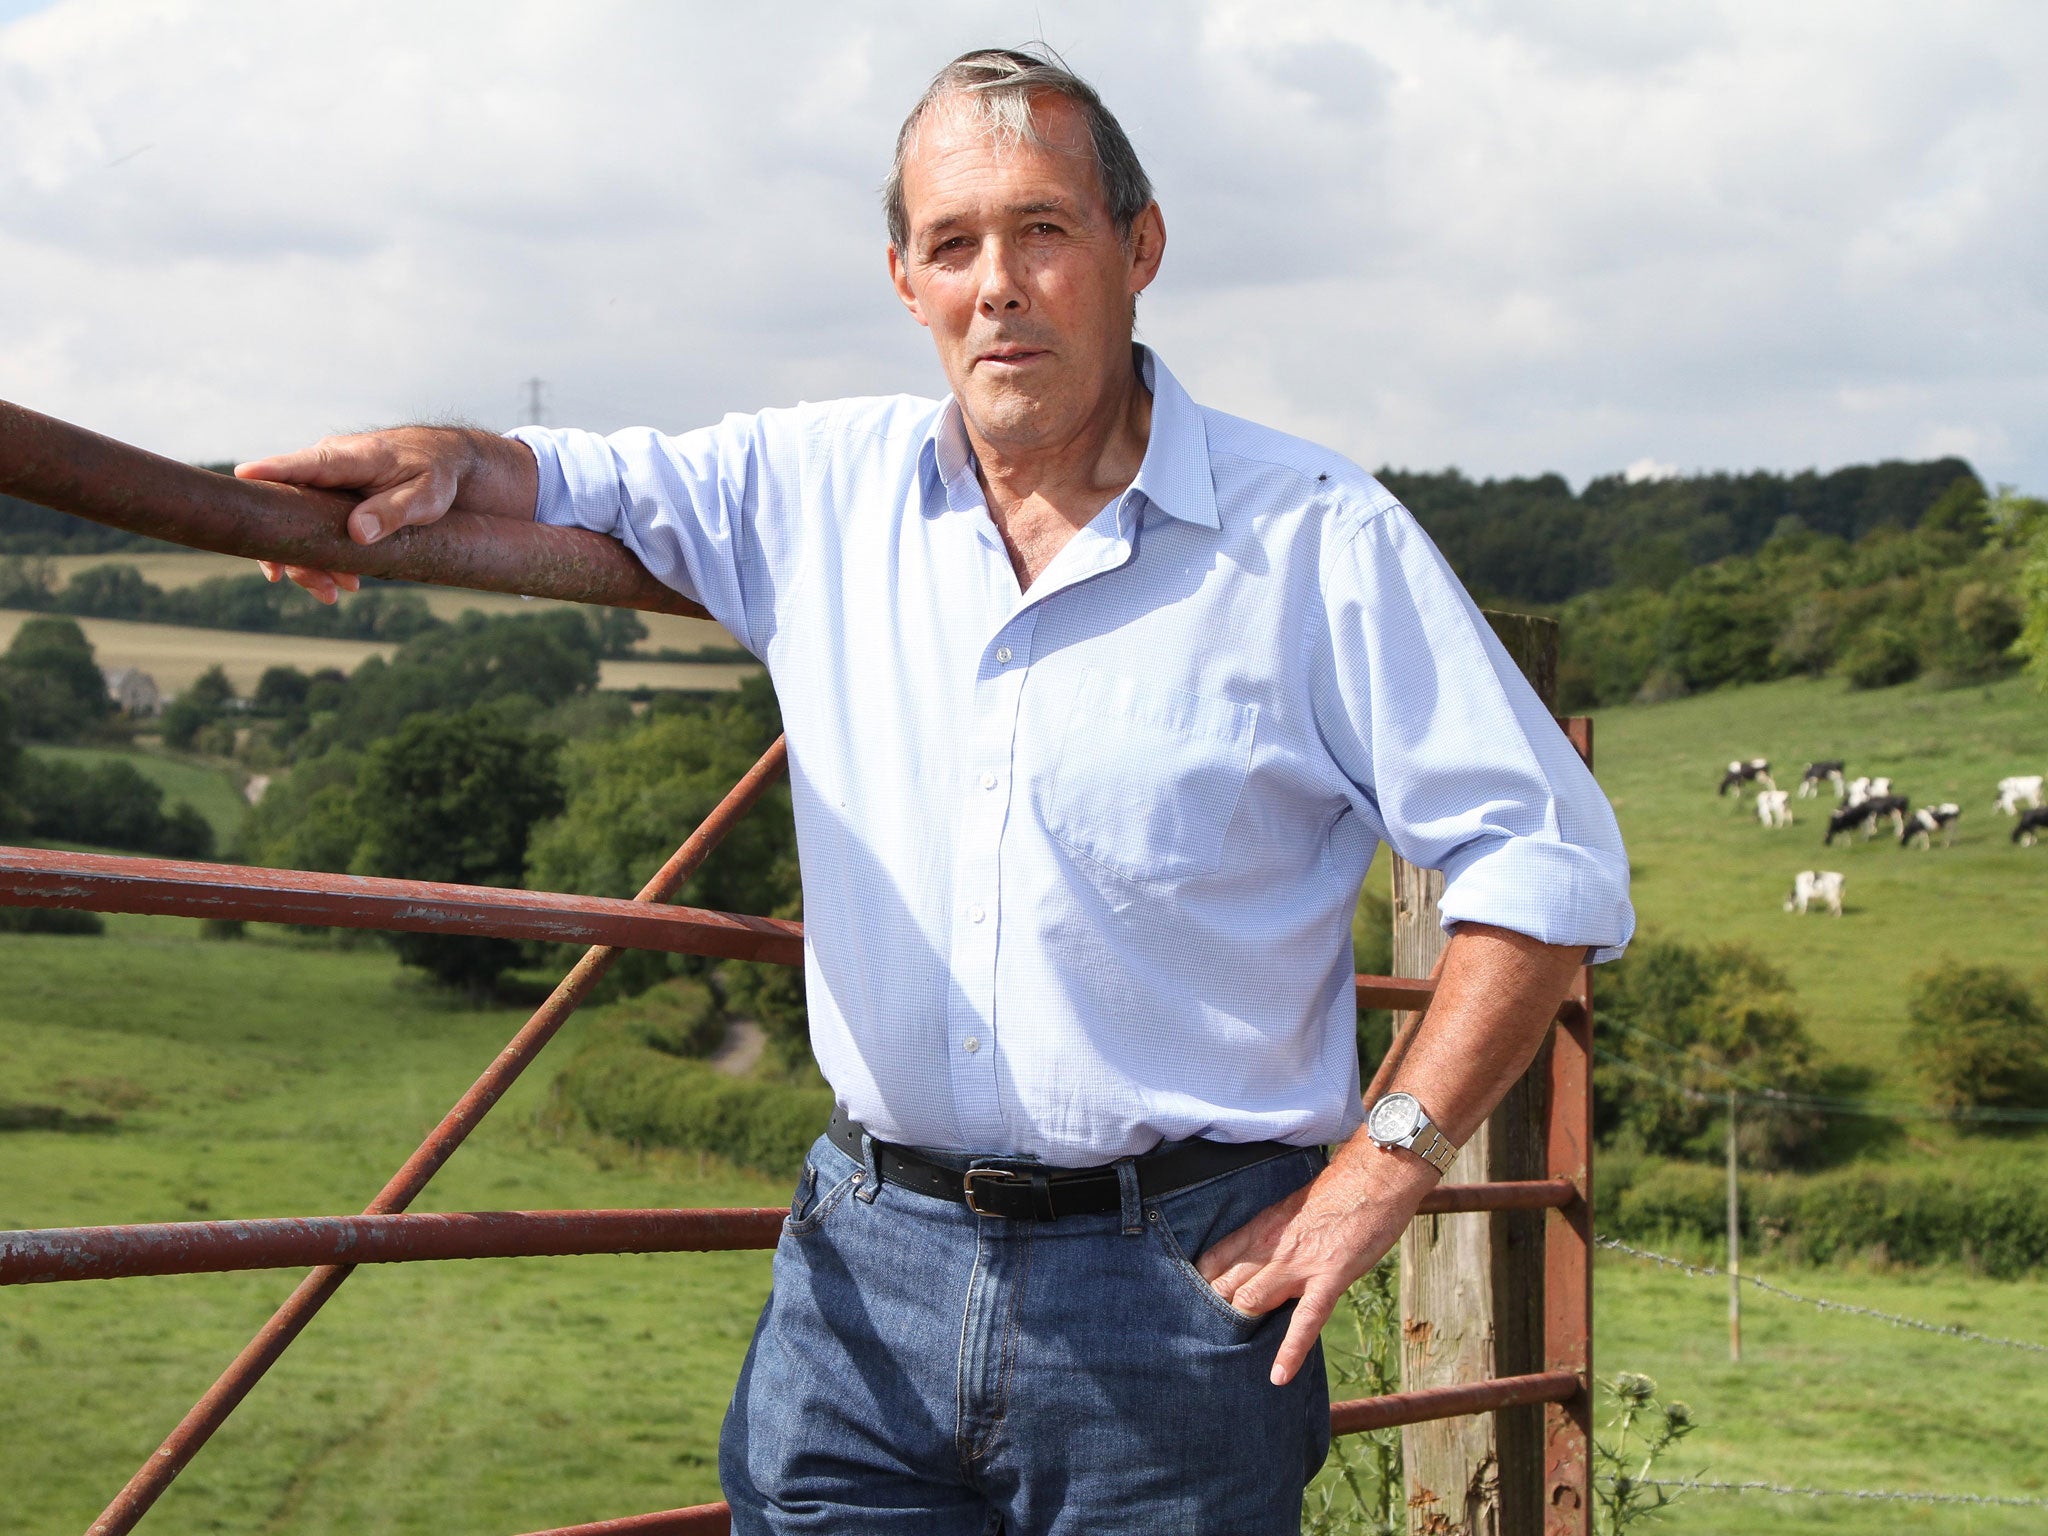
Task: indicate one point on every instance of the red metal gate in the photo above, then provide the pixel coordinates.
(75, 471)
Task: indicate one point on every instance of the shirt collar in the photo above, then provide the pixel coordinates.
(1174, 476)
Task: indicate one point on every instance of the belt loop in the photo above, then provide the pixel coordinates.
(870, 1171)
(1133, 1205)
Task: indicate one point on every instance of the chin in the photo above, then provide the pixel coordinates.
(1010, 412)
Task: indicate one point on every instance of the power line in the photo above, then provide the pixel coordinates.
(1894, 1319)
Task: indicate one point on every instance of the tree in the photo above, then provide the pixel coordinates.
(49, 677)
(632, 798)
(196, 708)
(455, 798)
(1979, 1036)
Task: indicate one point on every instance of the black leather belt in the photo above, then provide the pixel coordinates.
(1019, 1190)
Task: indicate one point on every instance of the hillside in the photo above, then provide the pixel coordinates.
(1706, 870)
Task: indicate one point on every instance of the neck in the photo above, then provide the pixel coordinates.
(1071, 474)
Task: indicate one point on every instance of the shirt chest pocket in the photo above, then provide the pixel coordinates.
(1148, 777)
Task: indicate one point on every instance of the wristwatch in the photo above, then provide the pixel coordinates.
(1399, 1120)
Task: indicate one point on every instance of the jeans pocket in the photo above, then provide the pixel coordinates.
(815, 1199)
(1191, 1277)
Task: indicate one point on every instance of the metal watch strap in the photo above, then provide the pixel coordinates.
(1438, 1151)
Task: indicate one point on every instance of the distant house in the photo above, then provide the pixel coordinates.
(135, 691)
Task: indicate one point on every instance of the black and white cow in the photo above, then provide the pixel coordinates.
(2032, 824)
(1818, 774)
(1928, 820)
(1866, 814)
(1756, 771)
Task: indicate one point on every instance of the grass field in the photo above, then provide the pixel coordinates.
(1706, 869)
(272, 1077)
(214, 791)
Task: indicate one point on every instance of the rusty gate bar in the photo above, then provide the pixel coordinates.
(697, 1520)
(215, 1247)
(1568, 1247)
(246, 1369)
(96, 882)
(38, 1256)
(58, 465)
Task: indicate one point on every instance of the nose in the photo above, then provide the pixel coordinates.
(1002, 290)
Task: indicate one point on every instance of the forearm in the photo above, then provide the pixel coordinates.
(1496, 994)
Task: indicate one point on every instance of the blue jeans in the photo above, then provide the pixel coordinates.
(923, 1371)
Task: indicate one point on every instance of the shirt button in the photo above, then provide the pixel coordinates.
(1003, 654)
(988, 781)
(971, 1044)
(975, 914)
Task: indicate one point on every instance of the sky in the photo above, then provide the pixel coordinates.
(1513, 237)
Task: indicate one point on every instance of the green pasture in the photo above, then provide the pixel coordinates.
(214, 792)
(1832, 1400)
(268, 1077)
(1707, 870)
(271, 1077)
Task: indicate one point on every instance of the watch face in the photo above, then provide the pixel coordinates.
(1395, 1118)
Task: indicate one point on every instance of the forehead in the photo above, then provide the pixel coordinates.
(957, 166)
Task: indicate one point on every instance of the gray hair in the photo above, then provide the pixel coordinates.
(1000, 83)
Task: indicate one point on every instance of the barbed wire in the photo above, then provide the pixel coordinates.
(1883, 1495)
(1709, 1272)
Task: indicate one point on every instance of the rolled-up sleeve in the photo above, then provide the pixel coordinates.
(691, 507)
(1453, 758)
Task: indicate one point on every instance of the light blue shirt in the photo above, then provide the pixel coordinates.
(1079, 863)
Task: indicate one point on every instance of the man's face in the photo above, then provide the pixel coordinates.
(1019, 273)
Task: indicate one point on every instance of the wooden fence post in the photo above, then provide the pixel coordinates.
(1472, 1285)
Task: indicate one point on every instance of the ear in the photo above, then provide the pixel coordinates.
(1148, 247)
(899, 275)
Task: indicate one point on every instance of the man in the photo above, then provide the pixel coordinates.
(1098, 703)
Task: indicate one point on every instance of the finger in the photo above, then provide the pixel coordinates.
(319, 583)
(272, 570)
(419, 499)
(333, 461)
(1313, 1310)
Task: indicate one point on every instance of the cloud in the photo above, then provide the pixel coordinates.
(1504, 236)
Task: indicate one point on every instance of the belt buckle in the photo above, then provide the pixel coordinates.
(1000, 1175)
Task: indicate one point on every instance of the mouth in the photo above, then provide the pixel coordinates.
(1012, 357)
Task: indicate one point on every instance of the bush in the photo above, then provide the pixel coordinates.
(1979, 1036)
(49, 920)
(110, 805)
(1674, 1020)
(1880, 657)
(642, 1095)
(678, 1018)
(1998, 1224)
(49, 677)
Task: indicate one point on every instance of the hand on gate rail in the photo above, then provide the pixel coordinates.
(56, 464)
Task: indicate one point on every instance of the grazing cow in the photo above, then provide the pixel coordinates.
(1858, 791)
(1818, 774)
(1772, 808)
(1816, 885)
(2012, 791)
(1866, 814)
(2032, 823)
(1756, 771)
(1928, 820)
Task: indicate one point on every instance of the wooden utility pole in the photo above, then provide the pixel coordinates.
(1472, 1285)
(1734, 1245)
